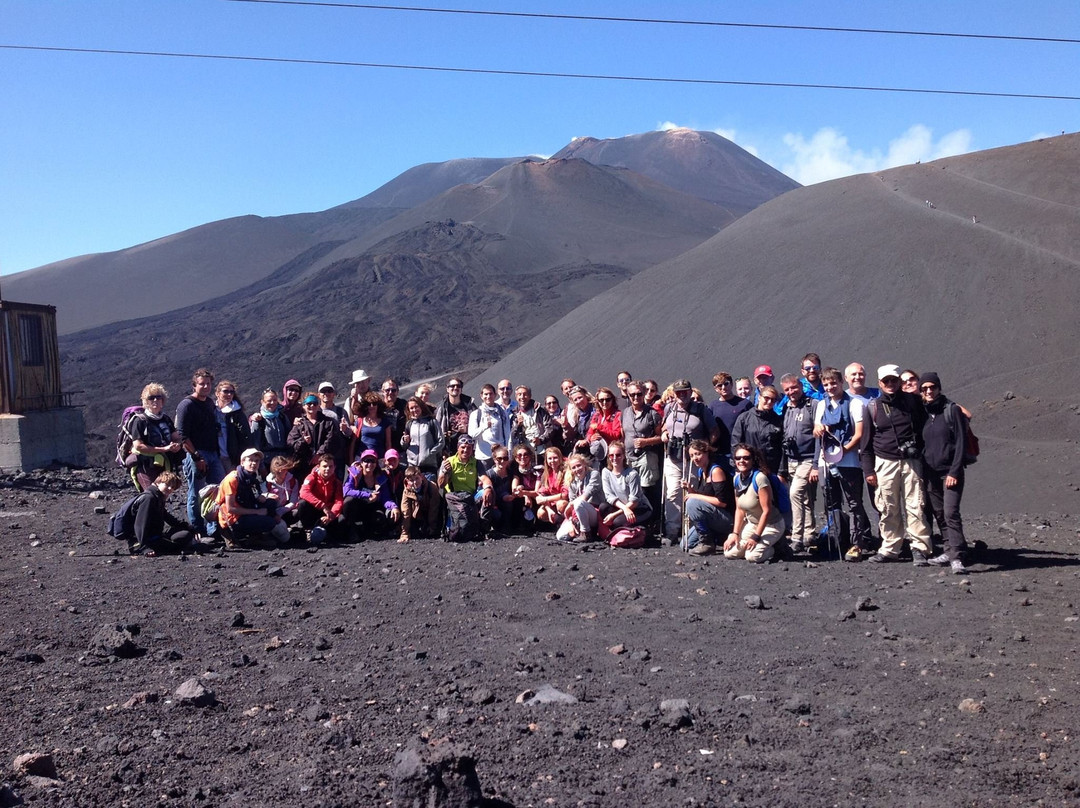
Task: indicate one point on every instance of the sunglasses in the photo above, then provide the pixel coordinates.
(624, 381)
(768, 399)
(228, 392)
(389, 389)
(500, 459)
(605, 399)
(453, 387)
(367, 460)
(927, 387)
(638, 394)
(742, 458)
(811, 367)
(155, 397)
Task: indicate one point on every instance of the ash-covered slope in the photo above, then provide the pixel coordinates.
(702, 164)
(969, 266)
(421, 183)
(182, 269)
(563, 212)
(432, 295)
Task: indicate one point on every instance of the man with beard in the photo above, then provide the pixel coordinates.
(531, 424)
(799, 471)
(453, 414)
(892, 449)
(196, 421)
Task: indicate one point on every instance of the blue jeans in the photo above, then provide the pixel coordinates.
(215, 473)
(706, 523)
(252, 525)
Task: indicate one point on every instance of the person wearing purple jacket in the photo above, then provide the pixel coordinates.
(369, 504)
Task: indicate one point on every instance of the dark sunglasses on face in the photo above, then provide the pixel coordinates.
(155, 397)
(927, 387)
(811, 367)
(742, 458)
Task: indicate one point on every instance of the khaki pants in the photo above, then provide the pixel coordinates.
(899, 501)
(803, 495)
(762, 550)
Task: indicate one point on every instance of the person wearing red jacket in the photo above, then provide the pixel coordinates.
(321, 501)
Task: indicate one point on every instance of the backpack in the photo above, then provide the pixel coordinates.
(462, 517)
(122, 523)
(971, 441)
(780, 489)
(124, 437)
(629, 537)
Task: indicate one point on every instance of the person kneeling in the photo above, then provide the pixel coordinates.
(243, 510)
(142, 520)
(759, 524)
(421, 507)
(321, 501)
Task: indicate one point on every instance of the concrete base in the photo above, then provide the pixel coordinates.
(39, 439)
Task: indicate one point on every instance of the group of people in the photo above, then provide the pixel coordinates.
(737, 473)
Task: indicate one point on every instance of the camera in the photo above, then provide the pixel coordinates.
(675, 445)
(908, 449)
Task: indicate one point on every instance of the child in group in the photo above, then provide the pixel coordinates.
(281, 483)
(421, 507)
(142, 520)
(321, 501)
(551, 493)
(586, 494)
(244, 511)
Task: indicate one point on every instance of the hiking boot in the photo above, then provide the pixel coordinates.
(878, 558)
(940, 560)
(853, 554)
(918, 558)
(797, 547)
(958, 567)
(703, 548)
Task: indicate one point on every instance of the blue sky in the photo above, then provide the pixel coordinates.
(101, 152)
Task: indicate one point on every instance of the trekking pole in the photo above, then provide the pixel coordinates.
(684, 539)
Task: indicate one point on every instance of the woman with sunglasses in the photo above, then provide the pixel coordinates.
(235, 434)
(155, 443)
(312, 435)
(605, 425)
(909, 381)
(625, 501)
(759, 524)
(944, 440)
(369, 507)
(500, 505)
(373, 431)
(528, 480)
(551, 493)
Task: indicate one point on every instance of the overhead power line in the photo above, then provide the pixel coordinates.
(661, 21)
(542, 74)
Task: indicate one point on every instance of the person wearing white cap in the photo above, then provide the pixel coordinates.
(892, 448)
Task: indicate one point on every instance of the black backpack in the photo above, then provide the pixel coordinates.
(122, 523)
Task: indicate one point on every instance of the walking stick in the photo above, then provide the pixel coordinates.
(684, 478)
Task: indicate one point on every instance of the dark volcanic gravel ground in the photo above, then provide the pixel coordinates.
(352, 653)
